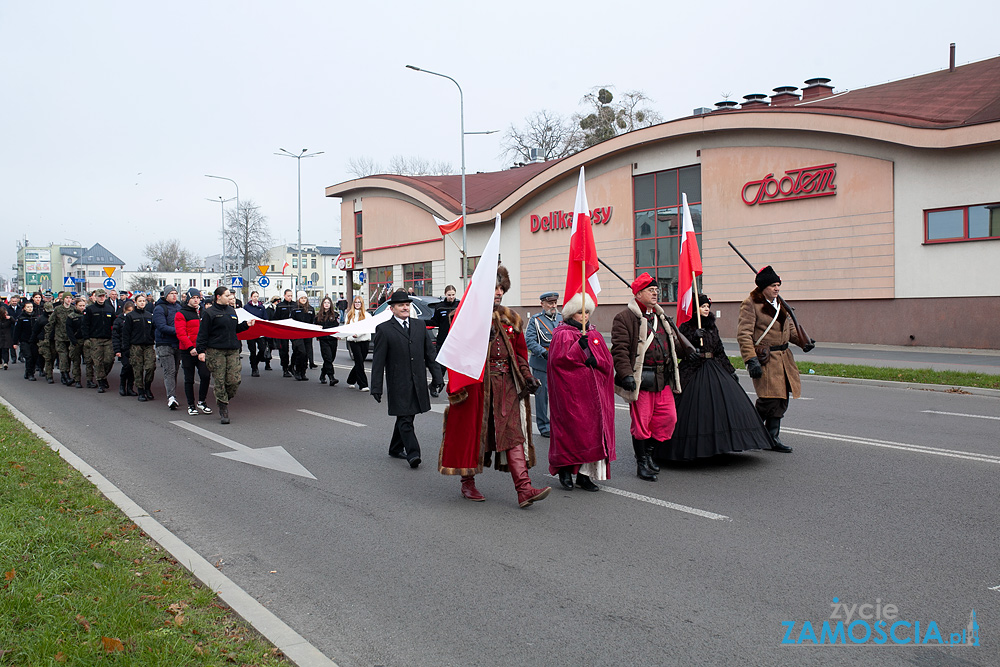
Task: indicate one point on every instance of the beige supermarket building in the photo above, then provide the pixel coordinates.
(878, 207)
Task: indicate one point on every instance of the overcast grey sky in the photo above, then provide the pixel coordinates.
(113, 111)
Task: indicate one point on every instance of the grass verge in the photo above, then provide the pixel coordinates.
(82, 585)
(920, 375)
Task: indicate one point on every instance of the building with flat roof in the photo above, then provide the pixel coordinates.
(878, 207)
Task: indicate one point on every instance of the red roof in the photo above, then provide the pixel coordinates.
(482, 191)
(967, 96)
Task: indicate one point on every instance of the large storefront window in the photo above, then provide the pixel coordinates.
(379, 284)
(657, 206)
(470, 266)
(966, 223)
(418, 276)
(358, 238)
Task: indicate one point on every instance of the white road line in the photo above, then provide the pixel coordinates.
(888, 444)
(332, 418)
(994, 588)
(656, 501)
(222, 440)
(960, 414)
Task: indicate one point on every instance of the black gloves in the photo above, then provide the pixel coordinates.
(699, 333)
(377, 396)
(584, 342)
(808, 347)
(693, 355)
(532, 385)
(628, 383)
(591, 361)
(754, 368)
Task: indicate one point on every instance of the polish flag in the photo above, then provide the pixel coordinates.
(690, 266)
(464, 351)
(448, 227)
(283, 268)
(582, 251)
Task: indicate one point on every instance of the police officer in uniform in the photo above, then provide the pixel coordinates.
(538, 335)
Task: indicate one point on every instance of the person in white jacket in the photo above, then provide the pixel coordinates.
(357, 345)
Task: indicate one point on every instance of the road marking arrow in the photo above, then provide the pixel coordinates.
(275, 458)
(332, 418)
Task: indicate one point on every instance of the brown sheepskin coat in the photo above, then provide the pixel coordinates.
(781, 375)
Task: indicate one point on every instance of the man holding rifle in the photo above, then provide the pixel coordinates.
(763, 333)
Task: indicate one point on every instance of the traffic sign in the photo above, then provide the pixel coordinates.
(309, 283)
(69, 282)
(109, 283)
(263, 269)
(263, 281)
(361, 276)
(109, 270)
(237, 281)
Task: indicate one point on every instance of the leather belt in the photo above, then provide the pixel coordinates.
(706, 355)
(779, 348)
(499, 367)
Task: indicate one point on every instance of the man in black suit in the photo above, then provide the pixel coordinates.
(403, 351)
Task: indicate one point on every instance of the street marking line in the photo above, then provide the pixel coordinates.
(993, 588)
(662, 503)
(960, 414)
(888, 444)
(332, 418)
(222, 440)
(272, 458)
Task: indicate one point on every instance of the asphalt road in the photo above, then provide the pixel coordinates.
(890, 496)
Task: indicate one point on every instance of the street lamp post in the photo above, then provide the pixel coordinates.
(298, 159)
(223, 203)
(223, 219)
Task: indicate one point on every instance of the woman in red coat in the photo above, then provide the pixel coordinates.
(581, 400)
(186, 322)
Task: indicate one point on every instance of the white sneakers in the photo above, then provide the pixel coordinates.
(172, 403)
(204, 408)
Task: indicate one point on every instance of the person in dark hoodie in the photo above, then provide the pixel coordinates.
(98, 319)
(258, 347)
(139, 337)
(74, 333)
(283, 311)
(218, 346)
(328, 318)
(186, 322)
(22, 338)
(167, 346)
(303, 312)
(126, 378)
(6, 335)
(41, 332)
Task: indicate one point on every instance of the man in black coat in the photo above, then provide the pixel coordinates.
(403, 351)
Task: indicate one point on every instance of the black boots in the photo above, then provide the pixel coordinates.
(121, 388)
(650, 463)
(224, 412)
(642, 469)
(773, 427)
(100, 386)
(584, 482)
(566, 478)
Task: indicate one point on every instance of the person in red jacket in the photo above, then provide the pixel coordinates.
(186, 323)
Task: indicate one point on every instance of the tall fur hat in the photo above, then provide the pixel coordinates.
(573, 305)
(503, 278)
(766, 277)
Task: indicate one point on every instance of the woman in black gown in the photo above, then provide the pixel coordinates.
(714, 414)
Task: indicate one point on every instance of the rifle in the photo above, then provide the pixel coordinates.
(684, 344)
(791, 311)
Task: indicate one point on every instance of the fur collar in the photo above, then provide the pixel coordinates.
(758, 298)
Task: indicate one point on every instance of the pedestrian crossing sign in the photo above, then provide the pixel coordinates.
(69, 282)
(237, 281)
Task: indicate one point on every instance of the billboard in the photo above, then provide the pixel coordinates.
(37, 267)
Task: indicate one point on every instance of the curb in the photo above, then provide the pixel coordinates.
(295, 647)
(889, 384)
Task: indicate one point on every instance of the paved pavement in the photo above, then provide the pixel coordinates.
(889, 497)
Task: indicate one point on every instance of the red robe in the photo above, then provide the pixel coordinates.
(581, 400)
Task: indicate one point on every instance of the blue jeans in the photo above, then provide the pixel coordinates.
(542, 401)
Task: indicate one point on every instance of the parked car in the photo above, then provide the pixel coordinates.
(422, 308)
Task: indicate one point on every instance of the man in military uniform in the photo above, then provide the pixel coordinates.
(98, 319)
(58, 323)
(46, 347)
(538, 335)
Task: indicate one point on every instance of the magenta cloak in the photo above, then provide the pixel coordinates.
(581, 400)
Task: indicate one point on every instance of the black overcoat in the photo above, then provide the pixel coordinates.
(403, 356)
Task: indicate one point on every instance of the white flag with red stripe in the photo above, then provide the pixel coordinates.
(582, 250)
(448, 227)
(690, 265)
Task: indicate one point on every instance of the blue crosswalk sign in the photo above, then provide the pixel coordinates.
(69, 282)
(237, 281)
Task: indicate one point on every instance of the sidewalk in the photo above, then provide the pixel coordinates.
(935, 358)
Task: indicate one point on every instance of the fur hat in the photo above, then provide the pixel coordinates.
(503, 278)
(641, 283)
(703, 299)
(766, 277)
(573, 305)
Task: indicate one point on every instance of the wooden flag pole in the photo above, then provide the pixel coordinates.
(583, 294)
(697, 306)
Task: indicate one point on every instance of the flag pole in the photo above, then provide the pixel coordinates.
(583, 294)
(697, 305)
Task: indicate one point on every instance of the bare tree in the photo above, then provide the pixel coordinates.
(170, 256)
(145, 282)
(553, 135)
(418, 166)
(363, 166)
(607, 118)
(248, 237)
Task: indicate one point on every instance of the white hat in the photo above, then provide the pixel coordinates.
(301, 294)
(573, 306)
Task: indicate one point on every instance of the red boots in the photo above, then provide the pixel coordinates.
(526, 494)
(469, 490)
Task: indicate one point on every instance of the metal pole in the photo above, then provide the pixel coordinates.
(224, 220)
(298, 157)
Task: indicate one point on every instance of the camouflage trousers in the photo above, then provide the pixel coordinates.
(143, 360)
(225, 367)
(88, 346)
(102, 357)
(45, 349)
(63, 348)
(74, 356)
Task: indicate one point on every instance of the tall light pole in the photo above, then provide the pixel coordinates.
(461, 107)
(223, 202)
(223, 220)
(298, 160)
